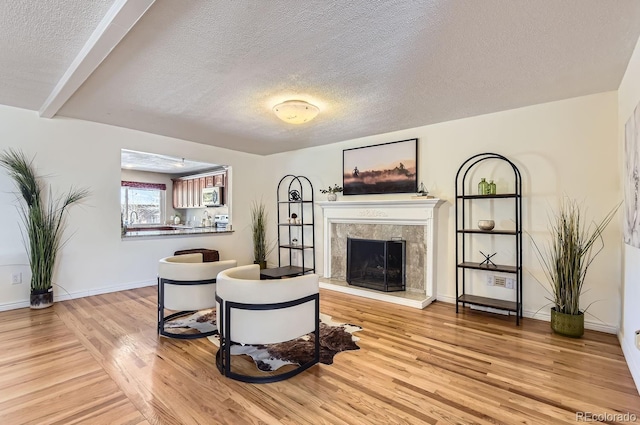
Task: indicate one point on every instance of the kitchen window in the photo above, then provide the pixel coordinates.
(142, 203)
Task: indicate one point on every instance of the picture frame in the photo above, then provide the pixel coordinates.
(380, 169)
(632, 179)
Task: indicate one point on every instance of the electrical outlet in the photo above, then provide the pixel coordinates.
(510, 283)
(16, 278)
(499, 281)
(490, 281)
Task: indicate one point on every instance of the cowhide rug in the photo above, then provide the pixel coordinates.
(334, 338)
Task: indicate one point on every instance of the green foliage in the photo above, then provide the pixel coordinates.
(334, 189)
(43, 221)
(259, 218)
(572, 249)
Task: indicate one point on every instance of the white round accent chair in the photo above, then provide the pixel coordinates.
(254, 311)
(186, 284)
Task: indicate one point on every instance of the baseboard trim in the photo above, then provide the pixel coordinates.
(81, 294)
(14, 305)
(546, 316)
(380, 296)
(634, 366)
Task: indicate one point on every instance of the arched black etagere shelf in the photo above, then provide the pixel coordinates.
(465, 231)
(296, 236)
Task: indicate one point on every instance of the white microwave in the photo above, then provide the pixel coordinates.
(212, 196)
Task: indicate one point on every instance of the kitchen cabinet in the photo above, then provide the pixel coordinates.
(185, 194)
(190, 193)
(197, 193)
(177, 194)
(187, 191)
(202, 183)
(180, 195)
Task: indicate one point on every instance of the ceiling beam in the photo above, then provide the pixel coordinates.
(120, 18)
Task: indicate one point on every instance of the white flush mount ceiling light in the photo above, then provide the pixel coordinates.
(296, 111)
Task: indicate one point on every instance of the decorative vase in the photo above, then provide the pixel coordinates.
(571, 325)
(483, 187)
(331, 196)
(41, 299)
(263, 264)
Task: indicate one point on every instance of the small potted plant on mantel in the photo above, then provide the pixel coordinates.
(566, 261)
(332, 192)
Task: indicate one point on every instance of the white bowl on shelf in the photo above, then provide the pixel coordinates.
(486, 224)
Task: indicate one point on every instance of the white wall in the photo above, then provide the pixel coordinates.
(95, 259)
(628, 99)
(566, 147)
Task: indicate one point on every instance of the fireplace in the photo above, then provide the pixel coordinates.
(376, 264)
(411, 220)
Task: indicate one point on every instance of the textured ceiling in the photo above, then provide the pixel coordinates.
(38, 41)
(155, 163)
(210, 71)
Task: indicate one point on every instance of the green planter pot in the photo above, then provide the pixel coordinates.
(571, 325)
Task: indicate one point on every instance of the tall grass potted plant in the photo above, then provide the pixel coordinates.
(43, 217)
(566, 259)
(261, 247)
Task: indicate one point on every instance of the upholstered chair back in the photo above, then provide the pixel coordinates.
(261, 324)
(190, 268)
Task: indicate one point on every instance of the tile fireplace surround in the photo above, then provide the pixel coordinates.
(413, 220)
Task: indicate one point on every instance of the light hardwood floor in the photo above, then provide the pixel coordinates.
(97, 360)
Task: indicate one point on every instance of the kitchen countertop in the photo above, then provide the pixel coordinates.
(177, 230)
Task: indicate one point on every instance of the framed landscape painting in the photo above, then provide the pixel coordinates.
(386, 168)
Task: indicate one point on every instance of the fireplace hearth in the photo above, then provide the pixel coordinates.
(376, 264)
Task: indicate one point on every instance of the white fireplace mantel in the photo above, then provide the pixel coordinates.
(417, 212)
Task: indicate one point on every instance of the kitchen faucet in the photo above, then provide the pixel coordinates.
(131, 217)
(206, 219)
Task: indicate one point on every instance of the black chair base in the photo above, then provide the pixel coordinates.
(220, 363)
(162, 319)
(223, 355)
(162, 331)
